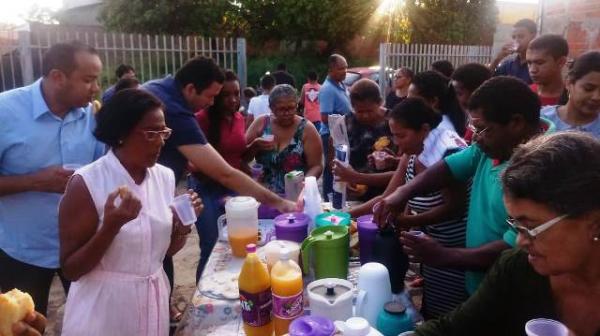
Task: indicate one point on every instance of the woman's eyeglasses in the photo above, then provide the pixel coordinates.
(531, 234)
(152, 136)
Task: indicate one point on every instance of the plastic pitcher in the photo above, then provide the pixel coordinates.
(292, 226)
(329, 247)
(367, 231)
(242, 223)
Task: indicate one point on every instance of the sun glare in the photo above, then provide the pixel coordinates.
(388, 6)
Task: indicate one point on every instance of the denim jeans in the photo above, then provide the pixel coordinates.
(212, 195)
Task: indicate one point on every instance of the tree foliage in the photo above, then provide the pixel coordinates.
(204, 17)
(335, 21)
(452, 21)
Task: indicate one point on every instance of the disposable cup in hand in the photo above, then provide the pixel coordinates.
(379, 159)
(256, 170)
(545, 327)
(185, 209)
(268, 137)
(415, 233)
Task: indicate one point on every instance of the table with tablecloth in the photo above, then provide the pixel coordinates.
(214, 309)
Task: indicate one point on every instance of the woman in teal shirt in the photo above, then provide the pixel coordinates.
(552, 188)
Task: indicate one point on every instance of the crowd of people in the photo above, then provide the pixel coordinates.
(498, 164)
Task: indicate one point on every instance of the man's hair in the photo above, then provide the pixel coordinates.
(126, 83)
(560, 171)
(123, 69)
(201, 72)
(553, 44)
(121, 113)
(527, 24)
(333, 60)
(503, 97)
(267, 82)
(584, 64)
(444, 67)
(281, 66)
(471, 75)
(312, 75)
(249, 92)
(407, 72)
(365, 90)
(61, 56)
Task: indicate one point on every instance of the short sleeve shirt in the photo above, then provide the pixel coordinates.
(180, 118)
(551, 113)
(512, 66)
(33, 138)
(232, 143)
(334, 98)
(486, 221)
(259, 106)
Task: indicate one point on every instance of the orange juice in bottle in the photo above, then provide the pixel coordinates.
(255, 295)
(287, 287)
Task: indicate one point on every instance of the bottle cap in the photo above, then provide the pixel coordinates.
(251, 248)
(284, 253)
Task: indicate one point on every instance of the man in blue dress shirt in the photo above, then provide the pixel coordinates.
(44, 127)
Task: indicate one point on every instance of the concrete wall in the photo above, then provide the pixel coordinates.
(577, 20)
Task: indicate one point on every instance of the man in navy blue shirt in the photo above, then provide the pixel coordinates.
(511, 61)
(123, 71)
(194, 87)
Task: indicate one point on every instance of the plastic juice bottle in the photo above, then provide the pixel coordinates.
(287, 287)
(255, 295)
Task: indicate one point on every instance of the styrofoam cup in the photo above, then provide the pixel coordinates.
(379, 159)
(545, 327)
(185, 209)
(268, 137)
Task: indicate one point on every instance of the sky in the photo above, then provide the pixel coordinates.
(12, 11)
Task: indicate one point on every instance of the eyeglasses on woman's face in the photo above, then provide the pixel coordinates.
(152, 136)
(531, 234)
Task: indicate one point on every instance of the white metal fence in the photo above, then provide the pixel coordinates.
(419, 57)
(152, 56)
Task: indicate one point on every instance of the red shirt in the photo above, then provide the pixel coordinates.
(545, 100)
(232, 144)
(311, 102)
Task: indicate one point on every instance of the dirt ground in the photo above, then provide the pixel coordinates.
(185, 277)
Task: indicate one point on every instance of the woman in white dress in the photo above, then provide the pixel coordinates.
(116, 225)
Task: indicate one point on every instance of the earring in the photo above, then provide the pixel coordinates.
(596, 239)
(120, 142)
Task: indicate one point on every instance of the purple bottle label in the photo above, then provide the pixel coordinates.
(288, 307)
(256, 307)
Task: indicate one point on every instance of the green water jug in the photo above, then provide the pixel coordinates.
(328, 248)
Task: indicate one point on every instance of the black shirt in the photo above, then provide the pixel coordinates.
(391, 100)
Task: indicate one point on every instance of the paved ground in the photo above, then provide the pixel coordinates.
(185, 277)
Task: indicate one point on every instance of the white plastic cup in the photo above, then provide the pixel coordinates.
(268, 137)
(185, 209)
(545, 327)
(71, 166)
(415, 233)
(379, 159)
